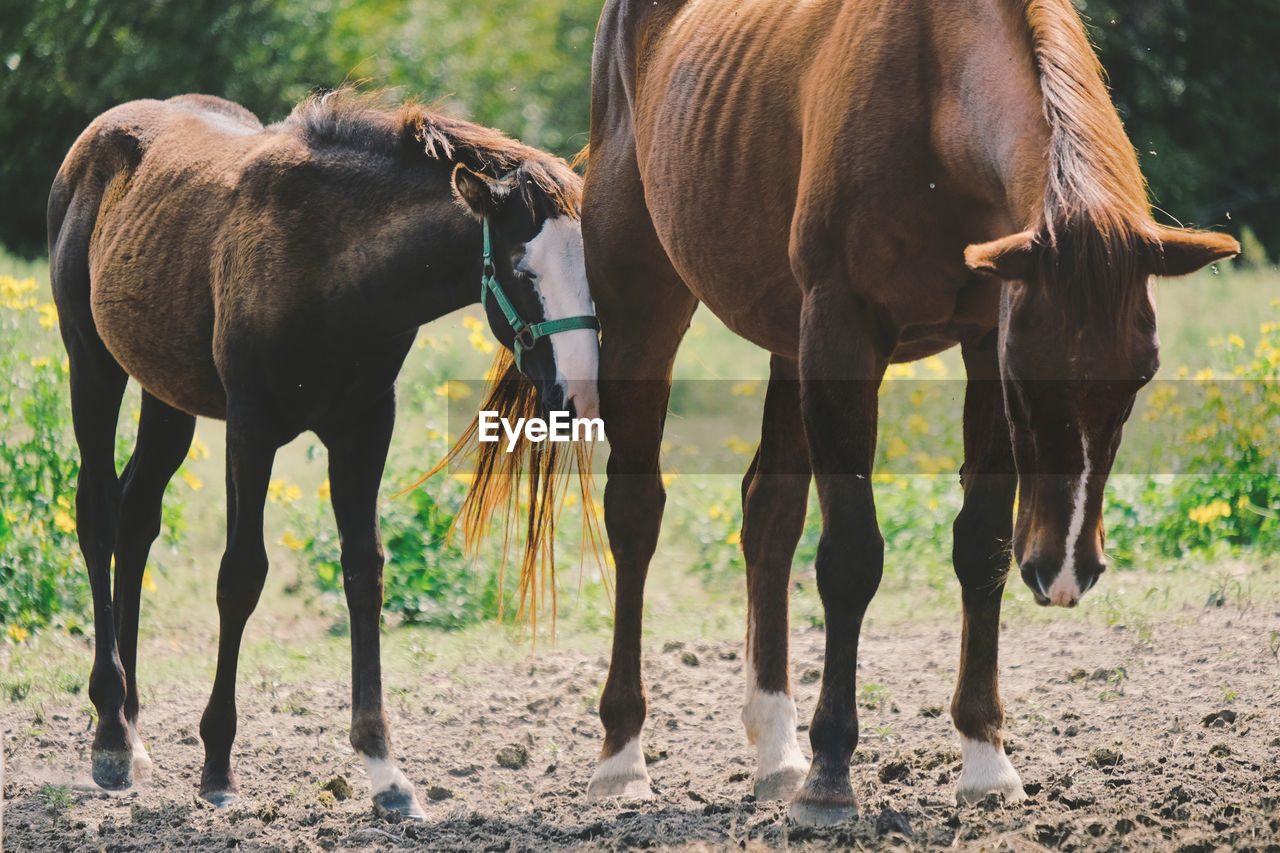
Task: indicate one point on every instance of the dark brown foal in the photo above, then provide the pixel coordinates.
(275, 277)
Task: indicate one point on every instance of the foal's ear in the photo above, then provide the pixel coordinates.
(1180, 251)
(1010, 258)
(482, 195)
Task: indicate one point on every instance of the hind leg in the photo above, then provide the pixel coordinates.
(164, 436)
(97, 386)
(251, 449)
(775, 494)
(357, 455)
(644, 310)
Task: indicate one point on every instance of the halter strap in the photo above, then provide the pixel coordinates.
(526, 334)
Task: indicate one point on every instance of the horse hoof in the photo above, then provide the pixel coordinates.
(825, 811)
(113, 769)
(623, 787)
(220, 799)
(402, 802)
(781, 785)
(966, 796)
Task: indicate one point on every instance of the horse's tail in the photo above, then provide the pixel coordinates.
(582, 159)
(495, 489)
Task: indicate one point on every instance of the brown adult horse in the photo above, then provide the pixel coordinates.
(847, 184)
(275, 277)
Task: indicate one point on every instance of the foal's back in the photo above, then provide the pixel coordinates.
(145, 196)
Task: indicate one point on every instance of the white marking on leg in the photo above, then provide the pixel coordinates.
(141, 758)
(986, 770)
(385, 775)
(622, 774)
(770, 720)
(554, 257)
(1065, 590)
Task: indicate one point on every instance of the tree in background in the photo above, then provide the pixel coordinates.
(66, 61)
(1196, 81)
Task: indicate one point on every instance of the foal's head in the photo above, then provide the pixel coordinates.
(536, 252)
(1077, 341)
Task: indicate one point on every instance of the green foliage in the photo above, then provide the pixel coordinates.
(1196, 83)
(65, 62)
(1225, 449)
(427, 579)
(39, 576)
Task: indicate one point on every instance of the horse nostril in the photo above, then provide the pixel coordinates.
(1033, 576)
(1090, 573)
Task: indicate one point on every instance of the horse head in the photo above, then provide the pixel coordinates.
(535, 287)
(1077, 340)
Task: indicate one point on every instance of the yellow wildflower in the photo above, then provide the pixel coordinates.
(1209, 512)
(734, 538)
(66, 364)
(570, 499)
(900, 371)
(196, 483)
(746, 388)
(936, 366)
(472, 323)
(1204, 374)
(48, 315)
(1235, 341)
(42, 361)
(917, 397)
(17, 633)
(323, 491)
(882, 477)
(737, 445)
(1183, 372)
(897, 447)
(291, 493)
(466, 477)
(715, 512)
(148, 582)
(293, 543)
(63, 502)
(275, 489)
(198, 449)
(452, 389)
(480, 343)
(64, 522)
(667, 480)
(917, 423)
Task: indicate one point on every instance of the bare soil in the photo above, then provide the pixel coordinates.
(1162, 738)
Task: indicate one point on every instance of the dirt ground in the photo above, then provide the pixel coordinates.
(1163, 736)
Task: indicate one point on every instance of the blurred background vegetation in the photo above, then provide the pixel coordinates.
(1195, 82)
(1199, 98)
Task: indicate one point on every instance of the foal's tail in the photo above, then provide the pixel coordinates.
(495, 489)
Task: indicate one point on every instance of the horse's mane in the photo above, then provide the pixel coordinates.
(1095, 220)
(369, 121)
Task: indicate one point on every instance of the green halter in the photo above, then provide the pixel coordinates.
(526, 334)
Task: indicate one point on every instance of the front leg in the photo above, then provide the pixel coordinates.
(981, 556)
(840, 369)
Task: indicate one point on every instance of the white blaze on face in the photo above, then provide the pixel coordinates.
(1065, 590)
(555, 257)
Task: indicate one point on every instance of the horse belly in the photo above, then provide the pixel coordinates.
(160, 330)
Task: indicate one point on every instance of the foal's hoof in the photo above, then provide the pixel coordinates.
(627, 788)
(824, 812)
(781, 785)
(397, 800)
(220, 799)
(113, 769)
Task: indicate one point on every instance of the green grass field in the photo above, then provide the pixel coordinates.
(695, 586)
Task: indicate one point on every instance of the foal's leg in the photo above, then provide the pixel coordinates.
(644, 310)
(981, 556)
(251, 449)
(97, 386)
(164, 436)
(775, 494)
(356, 458)
(842, 370)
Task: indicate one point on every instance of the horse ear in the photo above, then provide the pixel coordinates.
(1182, 251)
(481, 195)
(1010, 258)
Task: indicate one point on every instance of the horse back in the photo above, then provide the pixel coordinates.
(135, 215)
